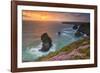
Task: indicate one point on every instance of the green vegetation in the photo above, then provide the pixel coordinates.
(77, 57)
(86, 52)
(70, 48)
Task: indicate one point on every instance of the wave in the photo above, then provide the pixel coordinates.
(36, 50)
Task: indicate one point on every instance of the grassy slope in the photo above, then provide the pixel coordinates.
(69, 49)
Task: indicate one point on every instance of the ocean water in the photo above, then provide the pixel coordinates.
(31, 38)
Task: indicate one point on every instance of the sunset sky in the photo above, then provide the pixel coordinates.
(55, 16)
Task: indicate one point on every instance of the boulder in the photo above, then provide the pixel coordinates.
(75, 27)
(46, 42)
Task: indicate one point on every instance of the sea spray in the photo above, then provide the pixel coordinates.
(33, 53)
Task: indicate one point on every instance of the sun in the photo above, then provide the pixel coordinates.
(38, 16)
(43, 17)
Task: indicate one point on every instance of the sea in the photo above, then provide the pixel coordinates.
(31, 37)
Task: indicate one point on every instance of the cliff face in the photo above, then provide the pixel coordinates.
(85, 29)
(82, 29)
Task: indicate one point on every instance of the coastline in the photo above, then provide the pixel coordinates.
(79, 49)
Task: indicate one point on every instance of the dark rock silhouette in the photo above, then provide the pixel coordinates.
(75, 27)
(83, 29)
(59, 33)
(46, 42)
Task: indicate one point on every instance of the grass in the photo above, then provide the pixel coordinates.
(68, 49)
(77, 57)
(86, 52)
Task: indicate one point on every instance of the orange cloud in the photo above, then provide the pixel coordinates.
(41, 16)
(54, 16)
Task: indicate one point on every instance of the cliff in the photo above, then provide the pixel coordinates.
(77, 50)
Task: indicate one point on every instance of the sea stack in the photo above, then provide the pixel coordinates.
(46, 42)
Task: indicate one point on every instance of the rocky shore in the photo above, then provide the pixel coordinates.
(77, 50)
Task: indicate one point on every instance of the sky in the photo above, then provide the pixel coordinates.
(29, 15)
